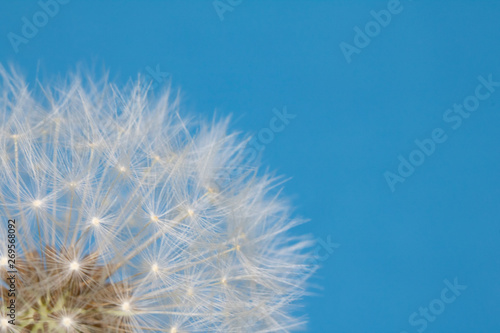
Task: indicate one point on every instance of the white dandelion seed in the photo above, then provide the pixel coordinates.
(74, 266)
(126, 306)
(67, 322)
(95, 221)
(125, 224)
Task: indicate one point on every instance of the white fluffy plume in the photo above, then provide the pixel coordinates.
(130, 218)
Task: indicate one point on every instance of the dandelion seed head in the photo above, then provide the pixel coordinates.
(131, 217)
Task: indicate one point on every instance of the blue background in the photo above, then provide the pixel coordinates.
(353, 120)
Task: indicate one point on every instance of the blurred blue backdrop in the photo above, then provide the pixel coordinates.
(363, 86)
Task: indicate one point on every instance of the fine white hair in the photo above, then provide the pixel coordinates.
(155, 220)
